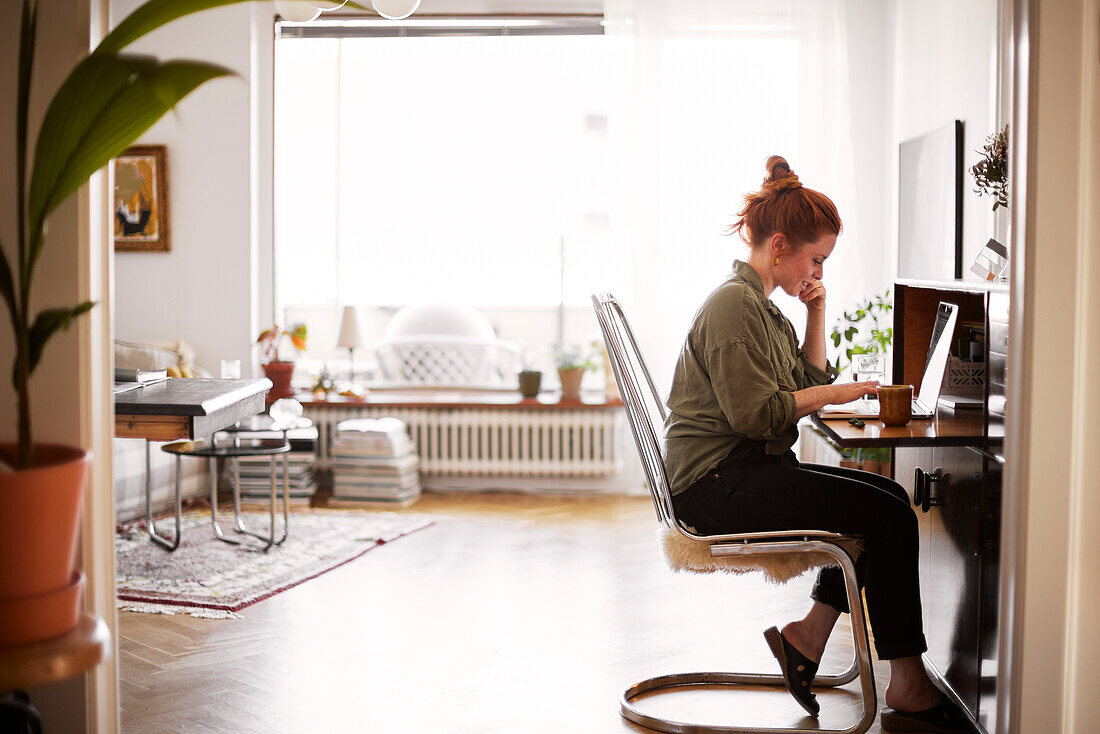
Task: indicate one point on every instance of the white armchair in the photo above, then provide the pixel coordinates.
(446, 346)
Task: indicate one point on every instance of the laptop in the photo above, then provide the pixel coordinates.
(935, 364)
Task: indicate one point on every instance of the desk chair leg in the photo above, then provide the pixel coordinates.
(861, 667)
(169, 544)
(214, 504)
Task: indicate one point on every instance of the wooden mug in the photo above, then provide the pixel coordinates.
(895, 404)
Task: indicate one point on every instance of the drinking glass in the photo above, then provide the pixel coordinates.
(869, 367)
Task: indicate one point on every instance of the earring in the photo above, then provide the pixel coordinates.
(777, 261)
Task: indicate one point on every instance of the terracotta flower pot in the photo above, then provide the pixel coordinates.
(571, 383)
(39, 526)
(280, 374)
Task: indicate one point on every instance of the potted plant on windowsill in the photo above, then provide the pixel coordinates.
(280, 371)
(102, 107)
(572, 362)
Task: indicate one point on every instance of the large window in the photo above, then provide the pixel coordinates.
(440, 168)
(519, 171)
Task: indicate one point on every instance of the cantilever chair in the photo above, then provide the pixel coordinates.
(743, 552)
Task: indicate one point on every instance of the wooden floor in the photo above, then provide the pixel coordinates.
(512, 614)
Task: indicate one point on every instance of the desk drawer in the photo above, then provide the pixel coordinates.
(998, 307)
(998, 336)
(997, 368)
(997, 380)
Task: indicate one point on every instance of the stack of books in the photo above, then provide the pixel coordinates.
(255, 471)
(373, 461)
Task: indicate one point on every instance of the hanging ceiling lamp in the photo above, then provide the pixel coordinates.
(296, 12)
(304, 12)
(395, 9)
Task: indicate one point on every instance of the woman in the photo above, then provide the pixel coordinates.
(741, 384)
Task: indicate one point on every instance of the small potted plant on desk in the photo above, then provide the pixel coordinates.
(280, 371)
(572, 362)
(860, 332)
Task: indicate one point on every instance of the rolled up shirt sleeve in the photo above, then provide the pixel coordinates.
(747, 390)
(812, 375)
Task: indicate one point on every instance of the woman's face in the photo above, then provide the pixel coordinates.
(799, 267)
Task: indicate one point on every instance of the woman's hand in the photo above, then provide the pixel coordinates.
(849, 391)
(813, 295)
(812, 399)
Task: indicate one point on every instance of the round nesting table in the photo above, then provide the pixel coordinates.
(211, 450)
(263, 423)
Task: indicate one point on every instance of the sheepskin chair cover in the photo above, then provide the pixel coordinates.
(684, 554)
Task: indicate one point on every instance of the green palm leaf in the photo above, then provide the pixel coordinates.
(27, 38)
(7, 284)
(48, 323)
(102, 108)
(150, 16)
(156, 13)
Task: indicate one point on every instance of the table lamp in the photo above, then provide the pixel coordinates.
(350, 335)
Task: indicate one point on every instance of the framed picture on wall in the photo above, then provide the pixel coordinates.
(141, 200)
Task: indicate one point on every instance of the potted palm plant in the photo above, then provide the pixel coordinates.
(280, 371)
(106, 102)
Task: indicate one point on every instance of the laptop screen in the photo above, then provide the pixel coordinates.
(938, 350)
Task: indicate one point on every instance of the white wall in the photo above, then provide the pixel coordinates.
(1052, 647)
(945, 68)
(201, 291)
(70, 395)
(870, 74)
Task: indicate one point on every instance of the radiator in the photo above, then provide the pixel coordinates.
(494, 442)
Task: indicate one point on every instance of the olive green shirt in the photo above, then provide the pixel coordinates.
(734, 379)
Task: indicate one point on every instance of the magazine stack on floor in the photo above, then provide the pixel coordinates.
(373, 461)
(256, 470)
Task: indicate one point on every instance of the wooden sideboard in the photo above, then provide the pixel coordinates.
(951, 467)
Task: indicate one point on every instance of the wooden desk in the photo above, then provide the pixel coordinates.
(950, 466)
(947, 428)
(183, 408)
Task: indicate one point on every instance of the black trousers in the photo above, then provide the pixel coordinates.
(751, 491)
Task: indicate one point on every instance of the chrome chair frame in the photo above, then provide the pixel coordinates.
(642, 408)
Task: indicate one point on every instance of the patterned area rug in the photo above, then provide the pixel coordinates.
(205, 577)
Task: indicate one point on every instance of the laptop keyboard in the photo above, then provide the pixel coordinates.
(870, 406)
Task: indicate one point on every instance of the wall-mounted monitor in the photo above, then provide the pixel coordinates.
(930, 205)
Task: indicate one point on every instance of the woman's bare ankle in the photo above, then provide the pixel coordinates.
(911, 700)
(911, 690)
(799, 634)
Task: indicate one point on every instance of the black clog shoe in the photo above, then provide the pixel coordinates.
(943, 718)
(798, 670)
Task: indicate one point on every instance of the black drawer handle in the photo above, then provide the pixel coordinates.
(922, 488)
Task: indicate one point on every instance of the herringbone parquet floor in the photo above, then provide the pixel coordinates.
(512, 614)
